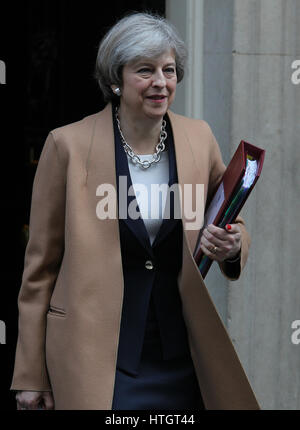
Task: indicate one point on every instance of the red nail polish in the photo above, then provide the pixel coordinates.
(228, 226)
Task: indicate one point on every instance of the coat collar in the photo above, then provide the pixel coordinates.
(101, 168)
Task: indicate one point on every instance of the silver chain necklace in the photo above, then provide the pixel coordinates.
(134, 157)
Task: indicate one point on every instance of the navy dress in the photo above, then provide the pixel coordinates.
(160, 384)
(154, 366)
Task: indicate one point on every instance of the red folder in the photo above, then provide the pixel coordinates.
(226, 192)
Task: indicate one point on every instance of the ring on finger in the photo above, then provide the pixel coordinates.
(214, 249)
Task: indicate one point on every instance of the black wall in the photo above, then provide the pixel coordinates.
(49, 48)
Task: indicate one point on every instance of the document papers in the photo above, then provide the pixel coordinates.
(241, 193)
(215, 206)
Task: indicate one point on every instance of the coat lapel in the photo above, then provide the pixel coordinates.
(187, 171)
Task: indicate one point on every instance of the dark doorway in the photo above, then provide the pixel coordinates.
(50, 49)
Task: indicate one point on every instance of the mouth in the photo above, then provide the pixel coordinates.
(157, 98)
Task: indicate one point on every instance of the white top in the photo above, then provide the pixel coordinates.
(150, 198)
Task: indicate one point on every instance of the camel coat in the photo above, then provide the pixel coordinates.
(70, 301)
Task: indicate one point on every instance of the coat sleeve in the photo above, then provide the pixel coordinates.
(43, 255)
(233, 270)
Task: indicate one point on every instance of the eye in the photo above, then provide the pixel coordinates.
(170, 70)
(144, 70)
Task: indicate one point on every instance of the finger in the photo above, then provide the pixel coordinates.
(48, 401)
(226, 240)
(207, 243)
(222, 233)
(217, 232)
(208, 252)
(21, 407)
(234, 235)
(210, 240)
(225, 244)
(20, 404)
(221, 252)
(27, 400)
(226, 247)
(32, 405)
(233, 228)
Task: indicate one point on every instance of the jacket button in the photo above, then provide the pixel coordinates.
(149, 265)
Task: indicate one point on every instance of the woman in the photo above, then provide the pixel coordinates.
(114, 313)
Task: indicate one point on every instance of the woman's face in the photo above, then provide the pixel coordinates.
(149, 86)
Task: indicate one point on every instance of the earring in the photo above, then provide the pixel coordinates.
(117, 91)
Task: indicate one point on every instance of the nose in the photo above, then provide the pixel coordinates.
(159, 79)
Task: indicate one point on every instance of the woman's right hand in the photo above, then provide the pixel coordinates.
(34, 400)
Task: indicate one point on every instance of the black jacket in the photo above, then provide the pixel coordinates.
(151, 299)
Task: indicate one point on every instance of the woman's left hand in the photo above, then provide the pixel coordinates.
(221, 243)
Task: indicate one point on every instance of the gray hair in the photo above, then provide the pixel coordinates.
(138, 35)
